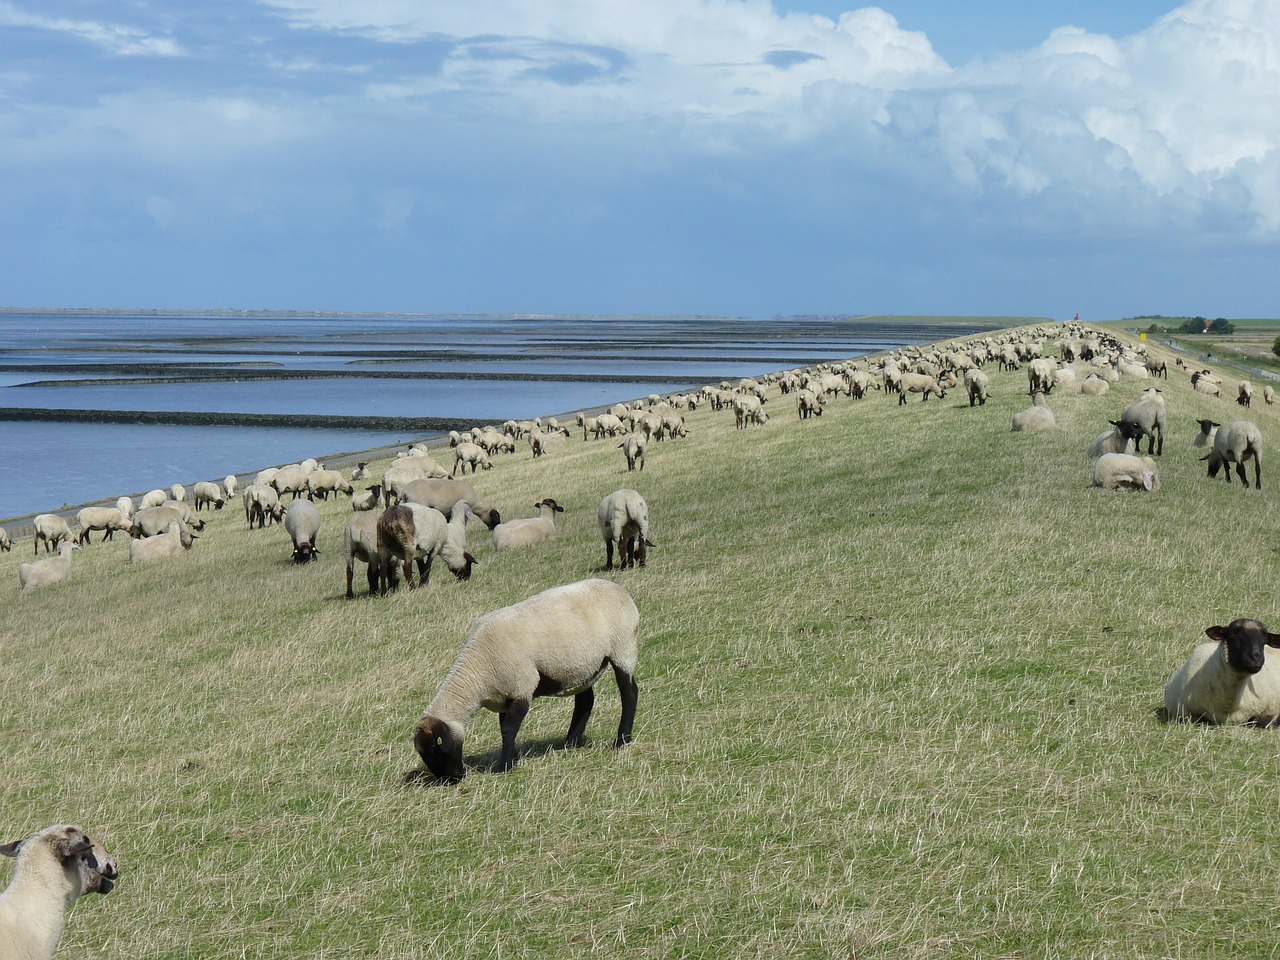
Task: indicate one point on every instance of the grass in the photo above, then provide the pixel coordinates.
(898, 692)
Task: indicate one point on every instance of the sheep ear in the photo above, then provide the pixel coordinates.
(11, 849)
(1217, 634)
(1273, 639)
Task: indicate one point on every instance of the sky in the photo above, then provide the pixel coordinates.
(728, 157)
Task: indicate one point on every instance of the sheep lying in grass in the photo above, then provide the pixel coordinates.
(1229, 681)
(525, 532)
(302, 521)
(411, 532)
(51, 570)
(1036, 417)
(369, 499)
(1237, 442)
(557, 643)
(1094, 386)
(624, 519)
(55, 868)
(1119, 439)
(50, 529)
(362, 471)
(106, 519)
(1121, 471)
(1201, 383)
(168, 543)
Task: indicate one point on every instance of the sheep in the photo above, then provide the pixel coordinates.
(976, 383)
(47, 572)
(302, 521)
(230, 484)
(324, 482)
(1119, 439)
(1244, 393)
(369, 499)
(360, 542)
(1229, 681)
(556, 643)
(410, 531)
(470, 454)
(186, 512)
(442, 493)
(106, 519)
(206, 492)
(49, 529)
(1094, 386)
(1208, 430)
(608, 424)
(6, 541)
(920, 383)
(1269, 394)
(1157, 368)
(362, 471)
(1040, 375)
(530, 530)
(1149, 414)
(125, 506)
(170, 542)
(311, 463)
(1122, 471)
(291, 479)
(542, 443)
(590, 425)
(1036, 417)
(624, 519)
(266, 476)
(178, 492)
(633, 448)
(262, 503)
(403, 472)
(1202, 384)
(748, 409)
(153, 520)
(808, 404)
(55, 867)
(1237, 442)
(152, 498)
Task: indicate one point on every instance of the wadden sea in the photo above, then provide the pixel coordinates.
(98, 404)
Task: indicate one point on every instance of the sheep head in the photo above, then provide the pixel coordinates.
(86, 865)
(440, 748)
(1244, 640)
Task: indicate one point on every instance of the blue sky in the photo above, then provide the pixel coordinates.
(671, 156)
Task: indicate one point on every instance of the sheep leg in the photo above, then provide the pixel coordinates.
(509, 721)
(371, 571)
(350, 571)
(629, 691)
(582, 704)
(608, 555)
(1257, 472)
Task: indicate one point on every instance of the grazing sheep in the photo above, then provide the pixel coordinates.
(369, 499)
(808, 404)
(1040, 375)
(1149, 414)
(607, 425)
(1269, 394)
(230, 484)
(302, 521)
(976, 383)
(748, 409)
(178, 492)
(168, 543)
(1121, 438)
(633, 448)
(525, 532)
(1244, 393)
(1038, 416)
(1157, 367)
(1121, 471)
(362, 471)
(50, 529)
(51, 570)
(411, 532)
(55, 868)
(557, 643)
(1237, 442)
(624, 519)
(152, 498)
(291, 479)
(403, 472)
(360, 542)
(125, 506)
(186, 512)
(6, 541)
(153, 520)
(470, 454)
(262, 503)
(442, 493)
(1229, 681)
(920, 383)
(206, 492)
(321, 483)
(106, 519)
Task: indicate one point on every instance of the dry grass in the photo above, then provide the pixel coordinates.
(899, 676)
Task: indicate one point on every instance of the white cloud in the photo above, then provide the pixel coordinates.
(122, 40)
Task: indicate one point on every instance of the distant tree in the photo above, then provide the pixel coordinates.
(1222, 326)
(1194, 325)
(1275, 347)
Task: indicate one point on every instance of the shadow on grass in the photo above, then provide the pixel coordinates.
(487, 762)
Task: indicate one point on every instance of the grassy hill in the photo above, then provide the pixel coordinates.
(899, 678)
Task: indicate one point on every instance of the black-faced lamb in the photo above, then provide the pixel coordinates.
(1121, 438)
(624, 519)
(1121, 471)
(1150, 416)
(1232, 680)
(55, 868)
(302, 521)
(530, 530)
(1237, 442)
(170, 542)
(51, 570)
(410, 532)
(557, 643)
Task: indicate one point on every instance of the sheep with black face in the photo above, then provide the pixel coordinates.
(1232, 680)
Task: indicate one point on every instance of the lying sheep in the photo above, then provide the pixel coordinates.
(170, 542)
(362, 471)
(302, 521)
(1202, 384)
(1121, 471)
(1237, 442)
(205, 493)
(442, 493)
(47, 572)
(525, 532)
(633, 448)
(369, 499)
(50, 529)
(411, 532)
(1038, 416)
(106, 519)
(1094, 386)
(1121, 438)
(262, 504)
(152, 498)
(1149, 414)
(1229, 681)
(557, 643)
(624, 519)
(55, 868)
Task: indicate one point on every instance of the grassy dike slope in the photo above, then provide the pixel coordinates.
(898, 692)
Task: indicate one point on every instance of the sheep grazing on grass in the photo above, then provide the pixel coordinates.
(106, 519)
(170, 542)
(153, 520)
(178, 492)
(748, 409)
(808, 404)
(50, 529)
(1244, 393)
(1121, 471)
(1237, 442)
(230, 484)
(976, 383)
(443, 493)
(557, 643)
(1269, 394)
(321, 483)
(919, 383)
(525, 532)
(125, 506)
(6, 541)
(472, 455)
(291, 479)
(624, 519)
(262, 505)
(1121, 438)
(360, 542)
(55, 868)
(1230, 681)
(633, 448)
(1038, 416)
(207, 492)
(302, 521)
(410, 532)
(1149, 415)
(152, 498)
(51, 570)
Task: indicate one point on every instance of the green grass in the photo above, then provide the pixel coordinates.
(898, 688)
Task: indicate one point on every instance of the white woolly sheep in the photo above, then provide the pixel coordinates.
(262, 504)
(1269, 394)
(230, 484)
(152, 498)
(557, 643)
(153, 520)
(633, 448)
(470, 454)
(748, 409)
(47, 572)
(410, 531)
(311, 463)
(362, 471)
(624, 519)
(1230, 681)
(1237, 442)
(6, 541)
(1244, 393)
(1150, 415)
(1121, 471)
(920, 383)
(403, 472)
(1040, 375)
(291, 479)
(206, 492)
(170, 542)
(106, 519)
(1202, 384)
(321, 483)
(50, 529)
(1094, 386)
(302, 521)
(369, 499)
(442, 493)
(1039, 416)
(266, 476)
(178, 492)
(529, 530)
(1119, 439)
(125, 506)
(976, 383)
(55, 868)
(808, 404)
(360, 542)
